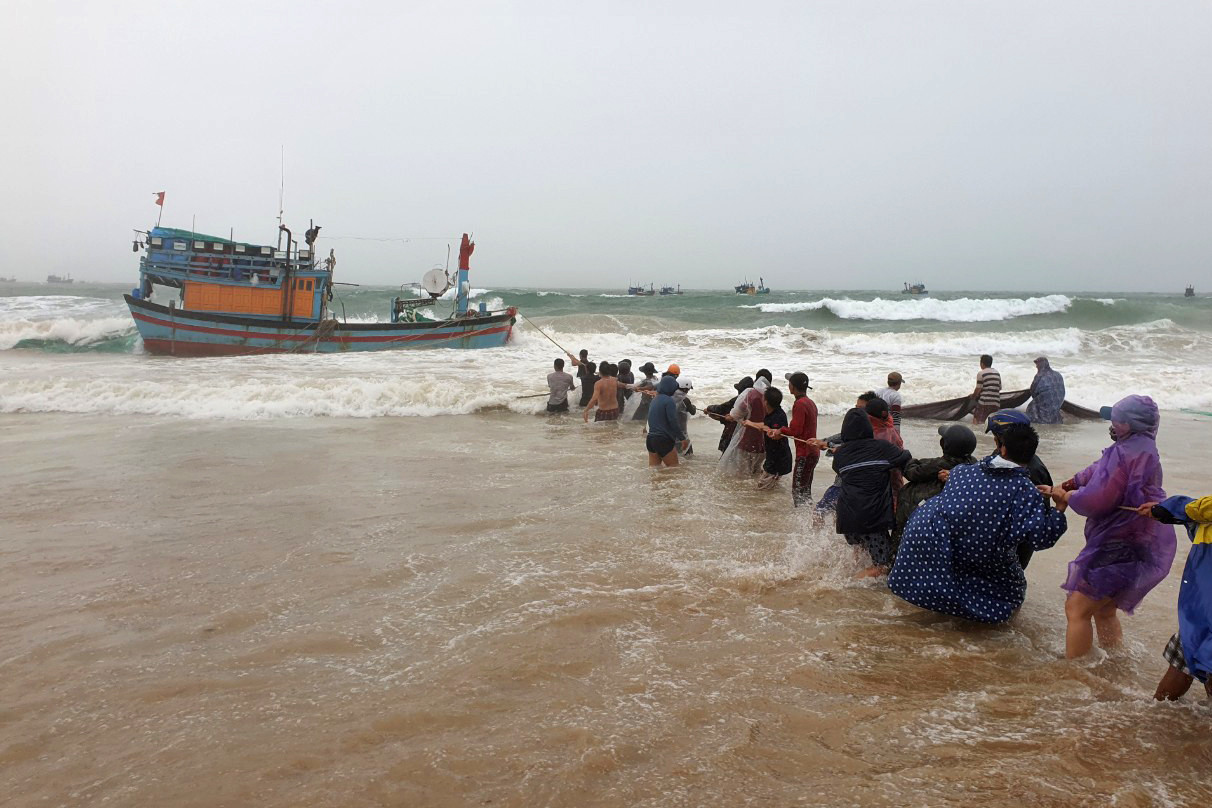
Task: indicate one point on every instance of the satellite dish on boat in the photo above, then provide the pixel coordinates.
(435, 282)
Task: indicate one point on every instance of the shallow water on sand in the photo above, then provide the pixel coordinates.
(502, 609)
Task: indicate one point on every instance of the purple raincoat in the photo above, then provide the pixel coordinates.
(1125, 555)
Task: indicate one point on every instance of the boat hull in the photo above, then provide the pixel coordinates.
(169, 331)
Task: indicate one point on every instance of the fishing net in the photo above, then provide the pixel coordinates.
(953, 409)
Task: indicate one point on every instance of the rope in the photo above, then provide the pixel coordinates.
(544, 333)
(738, 423)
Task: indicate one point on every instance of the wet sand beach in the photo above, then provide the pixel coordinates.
(512, 610)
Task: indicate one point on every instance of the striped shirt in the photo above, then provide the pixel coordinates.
(990, 382)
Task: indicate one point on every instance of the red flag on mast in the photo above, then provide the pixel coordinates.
(159, 195)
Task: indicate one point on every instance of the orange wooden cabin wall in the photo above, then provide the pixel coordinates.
(247, 299)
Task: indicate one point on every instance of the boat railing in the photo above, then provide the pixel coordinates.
(237, 269)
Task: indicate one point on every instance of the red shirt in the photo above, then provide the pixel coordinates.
(803, 425)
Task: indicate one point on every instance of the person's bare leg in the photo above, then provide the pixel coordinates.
(874, 571)
(654, 459)
(1079, 634)
(1173, 685)
(671, 459)
(1106, 623)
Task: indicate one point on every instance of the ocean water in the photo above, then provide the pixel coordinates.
(77, 350)
(385, 579)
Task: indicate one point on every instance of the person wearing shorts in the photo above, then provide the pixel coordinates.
(988, 392)
(664, 431)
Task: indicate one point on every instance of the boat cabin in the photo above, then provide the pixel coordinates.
(229, 277)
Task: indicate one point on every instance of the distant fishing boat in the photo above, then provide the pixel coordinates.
(669, 290)
(1190, 291)
(640, 291)
(238, 298)
(914, 289)
(747, 288)
(60, 278)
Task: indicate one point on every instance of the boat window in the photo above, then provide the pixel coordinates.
(179, 245)
(267, 251)
(309, 286)
(239, 248)
(199, 245)
(157, 242)
(216, 246)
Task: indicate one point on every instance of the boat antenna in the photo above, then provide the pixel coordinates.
(281, 191)
(282, 185)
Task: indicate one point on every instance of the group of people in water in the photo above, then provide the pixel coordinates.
(953, 533)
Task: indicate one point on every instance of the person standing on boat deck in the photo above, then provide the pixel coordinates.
(803, 426)
(1047, 394)
(719, 411)
(686, 409)
(988, 392)
(605, 396)
(559, 383)
(892, 394)
(664, 433)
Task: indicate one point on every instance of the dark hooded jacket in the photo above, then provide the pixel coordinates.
(864, 467)
(921, 476)
(663, 412)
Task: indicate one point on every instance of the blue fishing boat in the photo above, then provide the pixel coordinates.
(669, 290)
(914, 289)
(640, 291)
(237, 299)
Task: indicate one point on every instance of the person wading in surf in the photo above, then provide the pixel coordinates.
(803, 427)
(988, 391)
(560, 384)
(664, 432)
(605, 396)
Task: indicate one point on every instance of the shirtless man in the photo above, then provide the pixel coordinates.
(605, 395)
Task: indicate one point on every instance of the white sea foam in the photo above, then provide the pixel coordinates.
(1098, 366)
(961, 310)
(70, 330)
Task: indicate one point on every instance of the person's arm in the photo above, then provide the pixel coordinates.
(1180, 510)
(1103, 492)
(593, 401)
(799, 422)
(670, 415)
(690, 408)
(739, 411)
(1034, 521)
(921, 471)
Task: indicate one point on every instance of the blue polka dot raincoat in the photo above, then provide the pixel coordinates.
(958, 554)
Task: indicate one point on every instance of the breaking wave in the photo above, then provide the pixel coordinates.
(961, 310)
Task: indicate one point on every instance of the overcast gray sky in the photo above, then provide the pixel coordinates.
(1018, 146)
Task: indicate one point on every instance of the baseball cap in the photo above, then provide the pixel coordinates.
(675, 370)
(1001, 419)
(685, 383)
(799, 379)
(1105, 412)
(648, 367)
(895, 378)
(744, 384)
